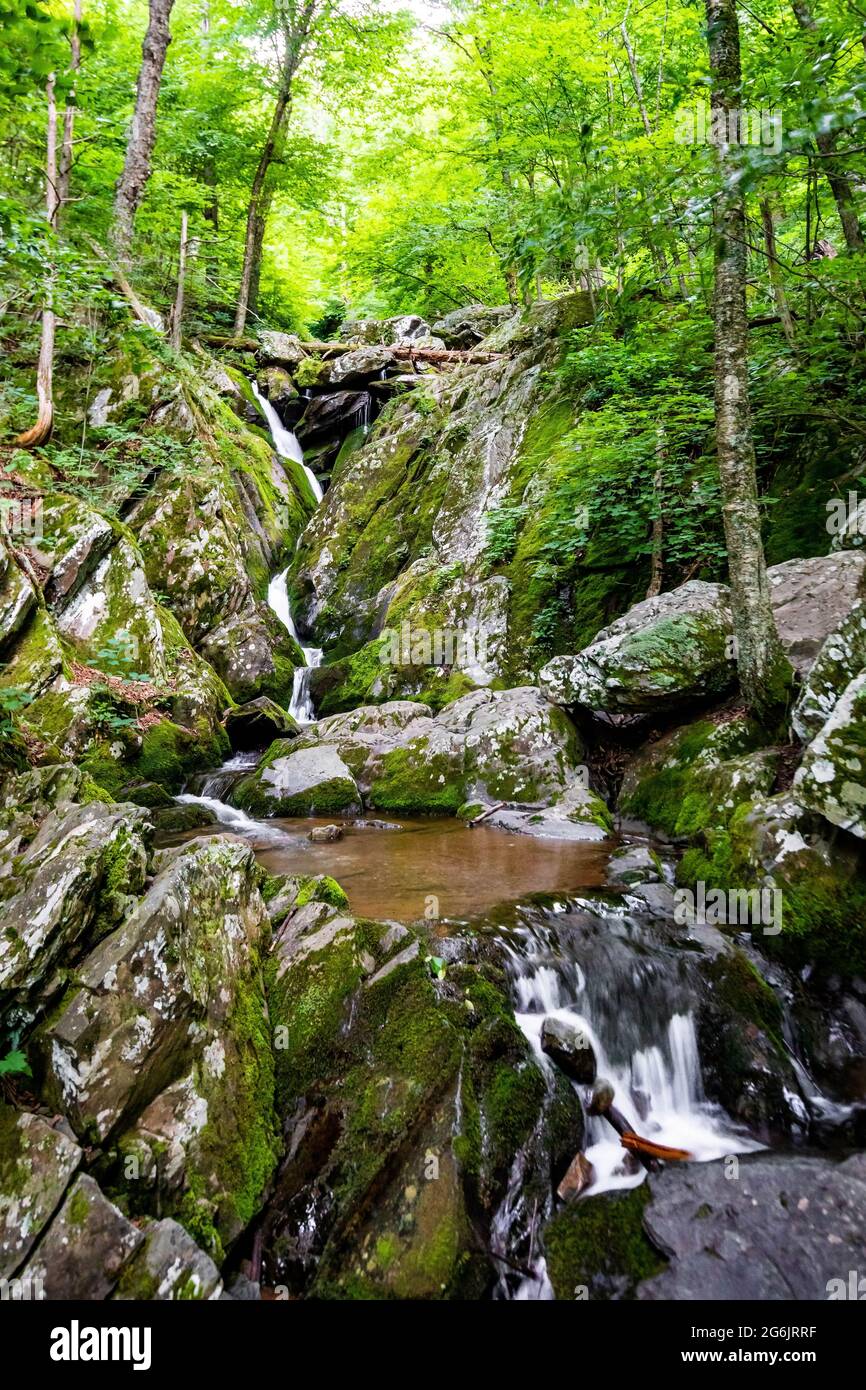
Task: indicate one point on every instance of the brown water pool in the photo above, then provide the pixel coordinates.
(430, 867)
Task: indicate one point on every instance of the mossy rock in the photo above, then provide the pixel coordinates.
(597, 1248)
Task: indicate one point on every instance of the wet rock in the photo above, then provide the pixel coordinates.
(257, 724)
(570, 1048)
(832, 777)
(149, 794)
(597, 1249)
(325, 834)
(634, 864)
(172, 820)
(784, 1227)
(277, 386)
(331, 416)
(37, 1163)
(169, 1267)
(580, 1176)
(602, 1097)
(85, 1248)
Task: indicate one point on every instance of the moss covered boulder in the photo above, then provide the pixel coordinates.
(411, 1090)
(598, 1249)
(665, 651)
(291, 781)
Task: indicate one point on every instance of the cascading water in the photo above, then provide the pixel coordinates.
(285, 442)
(301, 707)
(287, 446)
(631, 998)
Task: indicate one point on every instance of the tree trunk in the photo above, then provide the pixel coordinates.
(777, 283)
(41, 431)
(142, 134)
(765, 676)
(64, 173)
(177, 311)
(840, 184)
(658, 530)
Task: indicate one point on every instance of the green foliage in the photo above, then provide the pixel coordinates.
(14, 1064)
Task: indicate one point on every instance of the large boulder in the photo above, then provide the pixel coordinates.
(464, 328)
(37, 1163)
(665, 651)
(331, 416)
(307, 781)
(283, 349)
(785, 1227)
(810, 599)
(82, 1254)
(359, 365)
(17, 596)
(168, 1013)
(277, 386)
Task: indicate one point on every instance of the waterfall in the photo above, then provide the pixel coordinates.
(285, 442)
(301, 707)
(233, 819)
(634, 1010)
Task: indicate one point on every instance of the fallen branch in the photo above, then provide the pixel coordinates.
(315, 347)
(476, 820)
(639, 1146)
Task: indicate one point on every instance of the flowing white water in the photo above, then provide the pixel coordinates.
(233, 819)
(285, 442)
(658, 1089)
(301, 707)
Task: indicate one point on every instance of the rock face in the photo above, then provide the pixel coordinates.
(37, 1163)
(570, 1049)
(840, 659)
(810, 599)
(786, 1228)
(464, 328)
(389, 1077)
(373, 559)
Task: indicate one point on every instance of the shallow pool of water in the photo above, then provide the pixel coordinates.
(429, 867)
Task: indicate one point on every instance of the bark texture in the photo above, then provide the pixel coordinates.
(41, 431)
(142, 134)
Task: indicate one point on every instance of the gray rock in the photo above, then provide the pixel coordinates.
(169, 1267)
(307, 781)
(253, 654)
(570, 1048)
(810, 599)
(331, 416)
(86, 1246)
(360, 365)
(784, 1228)
(832, 776)
(841, 658)
(36, 1165)
(277, 386)
(633, 864)
(464, 328)
(284, 349)
(17, 596)
(325, 834)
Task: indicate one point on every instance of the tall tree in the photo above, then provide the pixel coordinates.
(295, 19)
(142, 133)
(765, 675)
(41, 431)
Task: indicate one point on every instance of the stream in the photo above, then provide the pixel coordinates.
(572, 949)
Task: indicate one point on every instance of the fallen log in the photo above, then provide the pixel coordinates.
(639, 1146)
(315, 347)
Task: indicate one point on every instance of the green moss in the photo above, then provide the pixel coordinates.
(321, 888)
(597, 1241)
(411, 780)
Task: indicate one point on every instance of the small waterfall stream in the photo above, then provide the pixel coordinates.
(301, 707)
(631, 997)
(285, 442)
